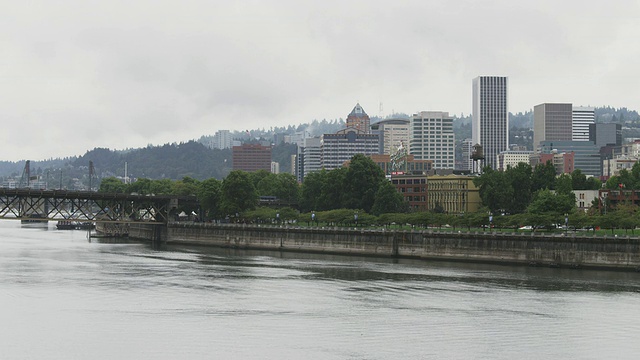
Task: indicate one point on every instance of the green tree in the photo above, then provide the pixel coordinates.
(112, 185)
(311, 191)
(333, 193)
(209, 196)
(387, 199)
(238, 193)
(162, 187)
(287, 188)
(363, 178)
(141, 186)
(495, 190)
(188, 186)
(520, 178)
(256, 177)
(578, 180)
(564, 184)
(544, 177)
(548, 208)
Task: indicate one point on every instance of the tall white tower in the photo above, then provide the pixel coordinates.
(582, 118)
(490, 125)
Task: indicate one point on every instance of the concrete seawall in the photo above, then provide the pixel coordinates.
(621, 253)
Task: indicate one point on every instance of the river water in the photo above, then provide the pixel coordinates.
(65, 297)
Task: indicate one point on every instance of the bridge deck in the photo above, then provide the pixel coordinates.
(34, 204)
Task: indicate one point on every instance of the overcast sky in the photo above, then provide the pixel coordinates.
(76, 75)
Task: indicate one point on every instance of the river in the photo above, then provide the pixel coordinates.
(63, 296)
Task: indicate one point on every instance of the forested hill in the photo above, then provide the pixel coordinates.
(170, 161)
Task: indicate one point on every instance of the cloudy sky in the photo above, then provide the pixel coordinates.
(75, 75)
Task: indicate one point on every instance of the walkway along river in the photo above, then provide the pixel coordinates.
(622, 253)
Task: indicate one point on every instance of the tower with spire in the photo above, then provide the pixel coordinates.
(358, 119)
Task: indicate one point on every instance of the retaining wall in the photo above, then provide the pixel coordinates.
(556, 250)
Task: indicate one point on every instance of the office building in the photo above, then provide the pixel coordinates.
(490, 124)
(582, 117)
(413, 189)
(340, 147)
(606, 134)
(452, 194)
(552, 122)
(358, 119)
(586, 154)
(275, 167)
(511, 158)
(432, 138)
(309, 157)
(467, 149)
(221, 140)
(392, 133)
(251, 157)
(563, 163)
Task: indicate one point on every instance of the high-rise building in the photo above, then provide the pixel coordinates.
(309, 157)
(432, 138)
(606, 134)
(221, 140)
(582, 118)
(392, 133)
(251, 157)
(467, 150)
(552, 122)
(340, 147)
(490, 125)
(358, 119)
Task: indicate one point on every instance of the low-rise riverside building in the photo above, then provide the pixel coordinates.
(453, 194)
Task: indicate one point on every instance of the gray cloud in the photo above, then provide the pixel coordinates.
(82, 74)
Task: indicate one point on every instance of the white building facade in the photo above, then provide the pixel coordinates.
(511, 158)
(221, 140)
(582, 117)
(309, 157)
(490, 124)
(432, 138)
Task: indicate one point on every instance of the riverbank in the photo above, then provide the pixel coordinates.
(613, 253)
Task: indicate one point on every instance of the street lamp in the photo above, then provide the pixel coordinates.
(490, 221)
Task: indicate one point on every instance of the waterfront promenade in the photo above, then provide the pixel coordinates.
(554, 250)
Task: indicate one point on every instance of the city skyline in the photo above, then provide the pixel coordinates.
(76, 76)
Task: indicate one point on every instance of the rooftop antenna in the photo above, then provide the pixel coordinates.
(381, 111)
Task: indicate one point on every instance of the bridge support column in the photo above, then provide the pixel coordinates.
(159, 234)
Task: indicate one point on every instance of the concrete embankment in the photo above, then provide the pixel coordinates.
(621, 253)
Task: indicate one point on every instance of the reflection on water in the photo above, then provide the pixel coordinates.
(103, 298)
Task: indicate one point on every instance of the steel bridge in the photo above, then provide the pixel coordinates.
(32, 204)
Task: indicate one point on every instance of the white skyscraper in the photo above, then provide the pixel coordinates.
(490, 125)
(467, 149)
(432, 138)
(221, 140)
(582, 118)
(309, 157)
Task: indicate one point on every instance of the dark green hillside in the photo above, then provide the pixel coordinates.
(169, 161)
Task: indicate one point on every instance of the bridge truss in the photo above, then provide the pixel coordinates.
(30, 204)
